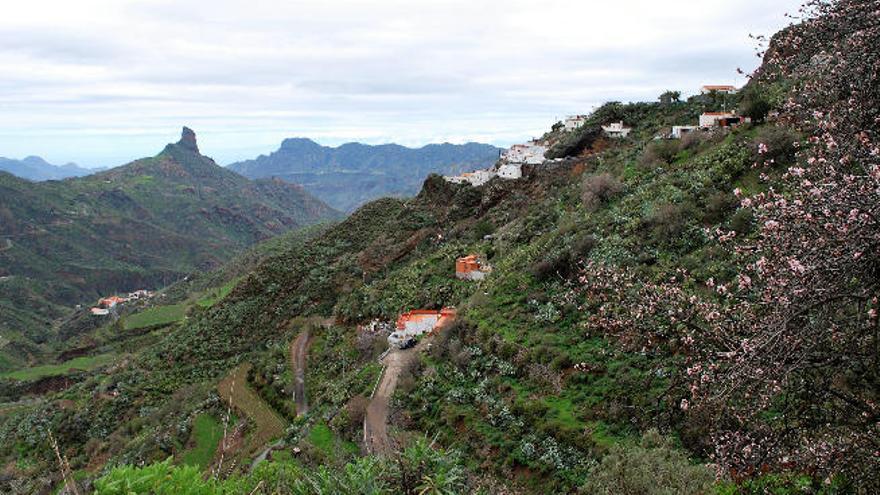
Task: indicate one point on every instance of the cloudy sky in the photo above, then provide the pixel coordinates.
(101, 82)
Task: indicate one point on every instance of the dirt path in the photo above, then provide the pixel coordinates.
(376, 440)
(298, 354)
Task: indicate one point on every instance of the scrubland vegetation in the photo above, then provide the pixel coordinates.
(693, 316)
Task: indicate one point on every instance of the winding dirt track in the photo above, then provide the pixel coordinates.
(298, 355)
(376, 440)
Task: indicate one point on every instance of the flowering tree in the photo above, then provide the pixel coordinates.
(787, 356)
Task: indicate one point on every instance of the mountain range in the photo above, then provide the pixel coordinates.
(36, 169)
(352, 174)
(141, 225)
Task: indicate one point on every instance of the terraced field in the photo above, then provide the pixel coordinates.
(268, 424)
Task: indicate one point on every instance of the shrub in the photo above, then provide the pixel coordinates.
(718, 205)
(742, 221)
(599, 189)
(654, 467)
(659, 153)
(754, 105)
(775, 145)
(668, 221)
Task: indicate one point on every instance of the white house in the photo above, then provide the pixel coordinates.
(531, 153)
(721, 119)
(572, 122)
(679, 130)
(475, 178)
(510, 171)
(616, 130)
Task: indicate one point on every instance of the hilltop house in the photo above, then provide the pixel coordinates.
(616, 130)
(419, 322)
(510, 171)
(475, 178)
(531, 153)
(572, 122)
(727, 89)
(471, 268)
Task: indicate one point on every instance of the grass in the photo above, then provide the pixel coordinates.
(85, 363)
(159, 315)
(214, 296)
(207, 433)
(322, 437)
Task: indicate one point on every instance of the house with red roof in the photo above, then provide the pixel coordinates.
(417, 322)
(471, 268)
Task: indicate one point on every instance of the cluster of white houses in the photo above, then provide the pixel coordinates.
(510, 164)
(106, 305)
(508, 167)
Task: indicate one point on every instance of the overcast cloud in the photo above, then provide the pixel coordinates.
(102, 82)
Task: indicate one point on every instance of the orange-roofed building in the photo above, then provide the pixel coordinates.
(719, 88)
(471, 268)
(419, 322)
(111, 302)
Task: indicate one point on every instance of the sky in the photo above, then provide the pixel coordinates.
(102, 82)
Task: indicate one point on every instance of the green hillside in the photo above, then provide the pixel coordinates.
(693, 316)
(142, 225)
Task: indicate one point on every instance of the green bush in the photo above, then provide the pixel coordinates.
(654, 467)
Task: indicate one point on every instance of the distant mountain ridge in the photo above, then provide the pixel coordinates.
(352, 174)
(36, 169)
(135, 226)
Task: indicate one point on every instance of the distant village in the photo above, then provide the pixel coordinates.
(108, 305)
(511, 162)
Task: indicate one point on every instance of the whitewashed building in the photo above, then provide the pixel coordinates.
(510, 171)
(616, 130)
(475, 178)
(531, 153)
(680, 130)
(572, 122)
(721, 119)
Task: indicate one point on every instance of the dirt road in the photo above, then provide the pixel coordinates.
(298, 355)
(376, 440)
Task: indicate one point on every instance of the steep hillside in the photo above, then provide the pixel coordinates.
(512, 354)
(36, 169)
(692, 316)
(141, 225)
(352, 174)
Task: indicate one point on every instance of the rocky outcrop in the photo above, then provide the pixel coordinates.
(188, 140)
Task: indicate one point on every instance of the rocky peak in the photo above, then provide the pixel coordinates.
(188, 140)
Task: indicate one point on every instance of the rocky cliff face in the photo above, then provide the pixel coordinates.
(353, 174)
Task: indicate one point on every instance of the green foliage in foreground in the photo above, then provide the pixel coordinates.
(654, 467)
(420, 469)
